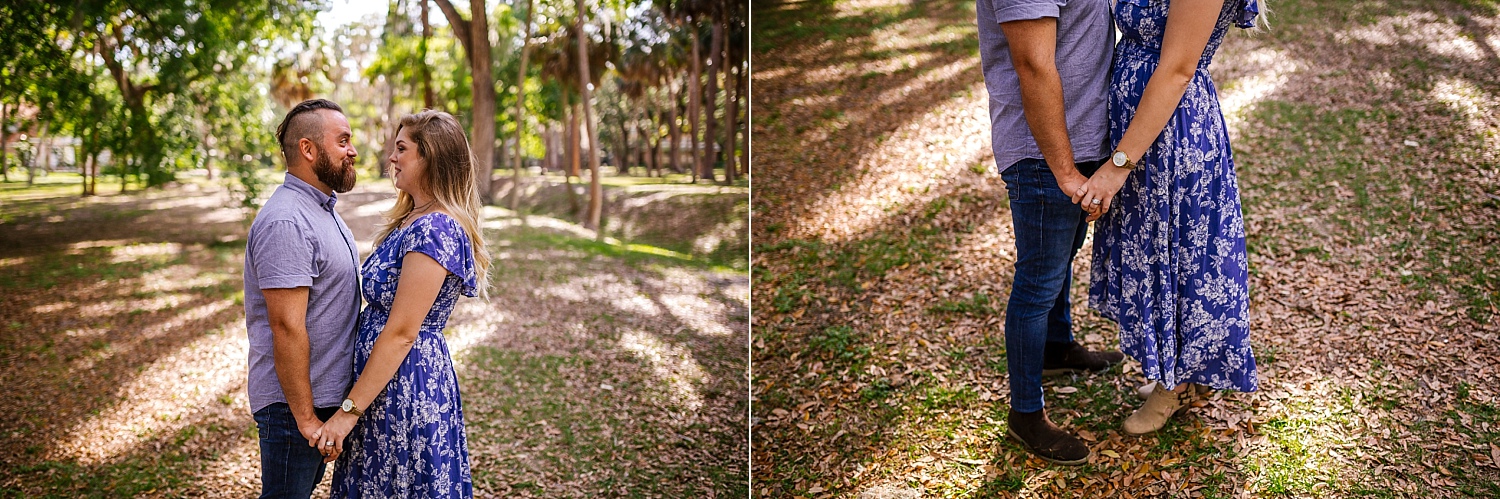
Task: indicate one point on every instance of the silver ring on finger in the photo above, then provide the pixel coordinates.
(1096, 201)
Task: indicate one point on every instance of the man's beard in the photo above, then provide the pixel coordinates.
(341, 180)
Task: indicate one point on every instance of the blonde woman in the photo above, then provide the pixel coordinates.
(1169, 245)
(404, 418)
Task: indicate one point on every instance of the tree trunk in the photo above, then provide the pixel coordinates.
(623, 150)
(88, 165)
(731, 125)
(575, 143)
(741, 80)
(596, 192)
(640, 150)
(674, 131)
(4, 141)
(711, 101)
(484, 101)
(655, 144)
(515, 178)
(36, 153)
(427, 95)
(695, 101)
(549, 149)
(475, 36)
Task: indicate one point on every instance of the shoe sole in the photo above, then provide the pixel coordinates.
(1033, 452)
(1075, 370)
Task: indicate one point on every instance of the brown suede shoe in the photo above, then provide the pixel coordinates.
(1075, 358)
(1044, 439)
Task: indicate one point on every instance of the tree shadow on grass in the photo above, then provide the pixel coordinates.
(865, 374)
(591, 373)
(609, 372)
(832, 86)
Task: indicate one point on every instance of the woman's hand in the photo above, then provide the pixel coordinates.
(333, 432)
(1098, 193)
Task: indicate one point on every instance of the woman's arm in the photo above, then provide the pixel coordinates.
(421, 279)
(1190, 23)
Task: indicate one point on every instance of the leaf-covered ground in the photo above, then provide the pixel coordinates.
(1367, 138)
(595, 369)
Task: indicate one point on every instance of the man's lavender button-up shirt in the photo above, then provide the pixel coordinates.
(298, 240)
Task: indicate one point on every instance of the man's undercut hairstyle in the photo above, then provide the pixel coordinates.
(295, 126)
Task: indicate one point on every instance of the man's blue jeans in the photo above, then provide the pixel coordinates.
(1049, 231)
(289, 468)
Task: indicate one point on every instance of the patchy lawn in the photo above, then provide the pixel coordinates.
(1367, 136)
(597, 369)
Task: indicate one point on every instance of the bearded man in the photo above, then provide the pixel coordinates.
(302, 299)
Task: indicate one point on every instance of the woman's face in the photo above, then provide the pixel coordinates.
(407, 167)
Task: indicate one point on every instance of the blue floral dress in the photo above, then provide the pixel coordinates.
(1169, 260)
(411, 442)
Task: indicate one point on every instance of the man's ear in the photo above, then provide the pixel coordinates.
(307, 149)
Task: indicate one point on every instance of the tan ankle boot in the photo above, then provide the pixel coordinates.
(1161, 404)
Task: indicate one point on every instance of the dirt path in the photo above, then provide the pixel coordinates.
(1366, 139)
(593, 371)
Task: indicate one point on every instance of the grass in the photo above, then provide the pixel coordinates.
(613, 179)
(516, 384)
(514, 394)
(636, 254)
(132, 478)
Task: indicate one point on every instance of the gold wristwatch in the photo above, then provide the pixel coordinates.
(1119, 159)
(348, 406)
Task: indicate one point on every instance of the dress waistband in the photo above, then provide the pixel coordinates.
(1136, 50)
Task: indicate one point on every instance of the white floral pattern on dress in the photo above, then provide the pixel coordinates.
(1169, 260)
(411, 442)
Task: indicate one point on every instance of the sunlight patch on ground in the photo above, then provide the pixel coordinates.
(1308, 443)
(1276, 68)
(52, 307)
(703, 316)
(916, 38)
(74, 249)
(180, 278)
(136, 252)
(933, 150)
(1438, 35)
(200, 312)
(670, 363)
(160, 400)
(855, 8)
(1476, 107)
(472, 322)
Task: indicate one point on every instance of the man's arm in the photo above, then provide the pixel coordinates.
(287, 309)
(1033, 51)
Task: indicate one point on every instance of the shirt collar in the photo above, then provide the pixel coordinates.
(324, 200)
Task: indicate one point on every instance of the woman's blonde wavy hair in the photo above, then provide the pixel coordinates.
(449, 178)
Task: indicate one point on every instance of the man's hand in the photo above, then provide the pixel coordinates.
(1070, 183)
(310, 429)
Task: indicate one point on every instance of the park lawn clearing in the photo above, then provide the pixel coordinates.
(1366, 139)
(588, 373)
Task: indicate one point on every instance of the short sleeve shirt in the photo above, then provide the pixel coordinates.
(1085, 38)
(298, 240)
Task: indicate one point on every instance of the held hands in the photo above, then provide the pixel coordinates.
(309, 429)
(329, 439)
(1096, 195)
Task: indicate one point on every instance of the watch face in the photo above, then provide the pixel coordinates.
(1119, 158)
(347, 406)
